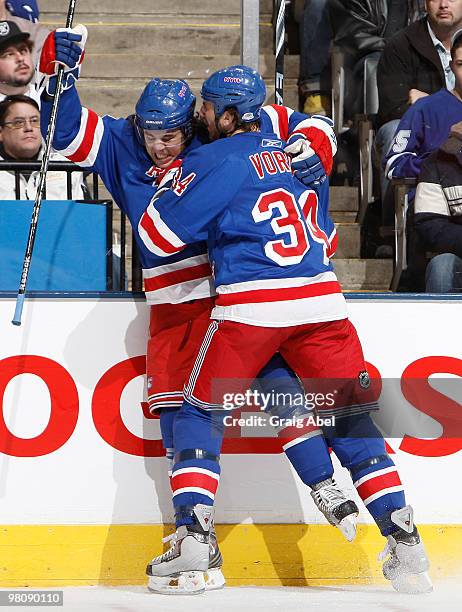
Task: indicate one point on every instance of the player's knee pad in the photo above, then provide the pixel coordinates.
(355, 439)
(167, 418)
(197, 428)
(310, 459)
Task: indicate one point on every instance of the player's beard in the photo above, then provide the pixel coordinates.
(201, 131)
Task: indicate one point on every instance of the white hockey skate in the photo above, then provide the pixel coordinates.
(336, 507)
(407, 563)
(214, 578)
(181, 570)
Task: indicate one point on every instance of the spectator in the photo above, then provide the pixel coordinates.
(315, 39)
(16, 64)
(21, 140)
(360, 29)
(424, 127)
(414, 64)
(438, 214)
(16, 11)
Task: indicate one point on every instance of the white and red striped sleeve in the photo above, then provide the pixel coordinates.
(157, 236)
(280, 119)
(83, 149)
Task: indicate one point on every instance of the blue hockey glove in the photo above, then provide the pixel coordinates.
(27, 10)
(307, 166)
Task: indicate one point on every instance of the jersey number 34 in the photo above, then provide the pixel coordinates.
(290, 224)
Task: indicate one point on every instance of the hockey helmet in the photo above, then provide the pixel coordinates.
(165, 105)
(239, 87)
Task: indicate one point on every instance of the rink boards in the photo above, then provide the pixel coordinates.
(83, 485)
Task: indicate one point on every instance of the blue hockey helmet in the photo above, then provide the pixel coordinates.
(239, 87)
(165, 105)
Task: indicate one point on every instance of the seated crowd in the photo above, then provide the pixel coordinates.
(21, 39)
(418, 124)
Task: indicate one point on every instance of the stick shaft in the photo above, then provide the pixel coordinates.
(279, 50)
(42, 179)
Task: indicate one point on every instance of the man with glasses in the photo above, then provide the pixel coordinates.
(21, 140)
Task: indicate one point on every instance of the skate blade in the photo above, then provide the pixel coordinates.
(348, 527)
(214, 579)
(183, 583)
(413, 584)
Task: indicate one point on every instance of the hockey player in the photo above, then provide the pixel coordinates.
(239, 194)
(132, 154)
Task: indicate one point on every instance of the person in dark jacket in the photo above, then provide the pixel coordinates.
(363, 26)
(361, 29)
(438, 214)
(414, 64)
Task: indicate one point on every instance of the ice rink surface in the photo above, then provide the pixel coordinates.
(446, 597)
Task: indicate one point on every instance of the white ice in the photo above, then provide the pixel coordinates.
(447, 597)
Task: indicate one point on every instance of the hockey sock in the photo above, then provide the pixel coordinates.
(303, 442)
(361, 448)
(167, 418)
(197, 435)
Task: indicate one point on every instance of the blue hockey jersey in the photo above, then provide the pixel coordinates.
(109, 147)
(266, 233)
(422, 129)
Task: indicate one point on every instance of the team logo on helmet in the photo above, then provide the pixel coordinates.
(4, 29)
(364, 380)
(248, 116)
(230, 79)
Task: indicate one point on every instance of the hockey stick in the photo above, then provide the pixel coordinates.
(280, 33)
(39, 195)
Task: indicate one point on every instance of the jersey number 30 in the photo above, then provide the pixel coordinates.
(288, 222)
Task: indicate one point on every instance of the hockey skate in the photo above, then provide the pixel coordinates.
(407, 563)
(336, 507)
(181, 570)
(214, 578)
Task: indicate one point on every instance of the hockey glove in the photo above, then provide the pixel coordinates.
(27, 10)
(307, 166)
(65, 47)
